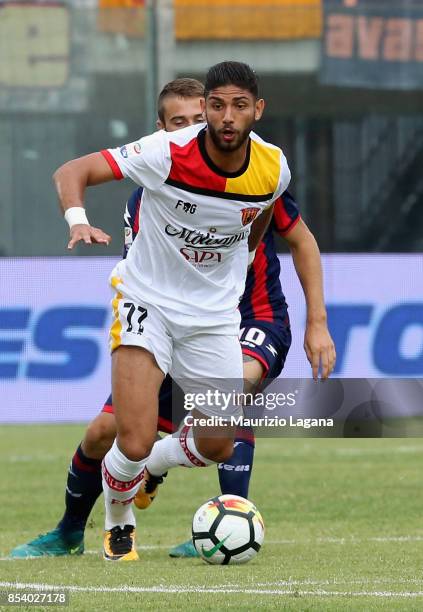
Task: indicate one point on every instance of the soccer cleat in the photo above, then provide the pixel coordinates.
(184, 550)
(55, 543)
(119, 544)
(148, 489)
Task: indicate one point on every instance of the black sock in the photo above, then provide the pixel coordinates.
(83, 488)
(235, 474)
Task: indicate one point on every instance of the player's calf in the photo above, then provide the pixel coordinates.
(99, 436)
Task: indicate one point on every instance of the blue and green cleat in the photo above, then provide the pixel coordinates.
(54, 543)
(184, 550)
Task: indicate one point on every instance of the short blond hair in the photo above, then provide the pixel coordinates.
(179, 88)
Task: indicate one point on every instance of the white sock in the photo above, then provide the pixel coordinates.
(174, 450)
(121, 479)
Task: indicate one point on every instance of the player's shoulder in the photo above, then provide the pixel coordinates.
(264, 145)
(156, 139)
(145, 145)
(266, 155)
(270, 159)
(185, 135)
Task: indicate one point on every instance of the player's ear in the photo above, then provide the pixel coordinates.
(259, 109)
(203, 107)
(160, 125)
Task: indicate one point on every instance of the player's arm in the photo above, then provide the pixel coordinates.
(71, 181)
(318, 344)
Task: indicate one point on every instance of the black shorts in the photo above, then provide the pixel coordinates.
(268, 342)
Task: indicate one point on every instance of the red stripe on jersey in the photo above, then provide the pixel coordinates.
(259, 295)
(291, 227)
(136, 224)
(113, 164)
(284, 223)
(189, 168)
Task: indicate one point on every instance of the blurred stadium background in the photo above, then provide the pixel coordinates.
(343, 82)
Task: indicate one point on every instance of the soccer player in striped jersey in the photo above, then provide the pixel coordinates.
(265, 338)
(176, 295)
(265, 334)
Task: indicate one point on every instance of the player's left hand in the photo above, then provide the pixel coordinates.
(320, 349)
(88, 234)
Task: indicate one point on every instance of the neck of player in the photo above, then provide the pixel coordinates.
(228, 161)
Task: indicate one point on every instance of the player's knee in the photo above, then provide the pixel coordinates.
(220, 451)
(99, 437)
(133, 448)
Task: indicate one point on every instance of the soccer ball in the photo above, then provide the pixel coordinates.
(227, 529)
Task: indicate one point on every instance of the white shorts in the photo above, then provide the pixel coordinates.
(198, 357)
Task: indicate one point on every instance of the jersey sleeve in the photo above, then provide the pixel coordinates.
(131, 220)
(285, 214)
(146, 161)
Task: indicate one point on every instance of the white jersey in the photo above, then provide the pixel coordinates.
(191, 251)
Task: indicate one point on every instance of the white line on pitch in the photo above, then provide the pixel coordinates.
(193, 589)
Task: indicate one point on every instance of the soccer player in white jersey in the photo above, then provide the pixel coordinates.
(177, 292)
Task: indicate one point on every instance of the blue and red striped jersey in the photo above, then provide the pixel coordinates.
(263, 298)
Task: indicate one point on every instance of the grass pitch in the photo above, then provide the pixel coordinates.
(344, 529)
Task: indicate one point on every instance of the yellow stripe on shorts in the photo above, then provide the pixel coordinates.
(116, 327)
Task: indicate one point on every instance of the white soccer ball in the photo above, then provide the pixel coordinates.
(227, 529)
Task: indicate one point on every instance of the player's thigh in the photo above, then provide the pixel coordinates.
(171, 411)
(254, 371)
(99, 436)
(136, 380)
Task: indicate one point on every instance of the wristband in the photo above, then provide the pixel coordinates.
(75, 216)
(251, 255)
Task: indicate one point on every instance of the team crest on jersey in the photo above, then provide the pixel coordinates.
(248, 215)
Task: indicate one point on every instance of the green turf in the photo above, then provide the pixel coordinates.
(342, 516)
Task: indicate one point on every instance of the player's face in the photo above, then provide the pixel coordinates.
(230, 113)
(180, 113)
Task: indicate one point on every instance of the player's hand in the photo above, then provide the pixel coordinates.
(320, 349)
(88, 234)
